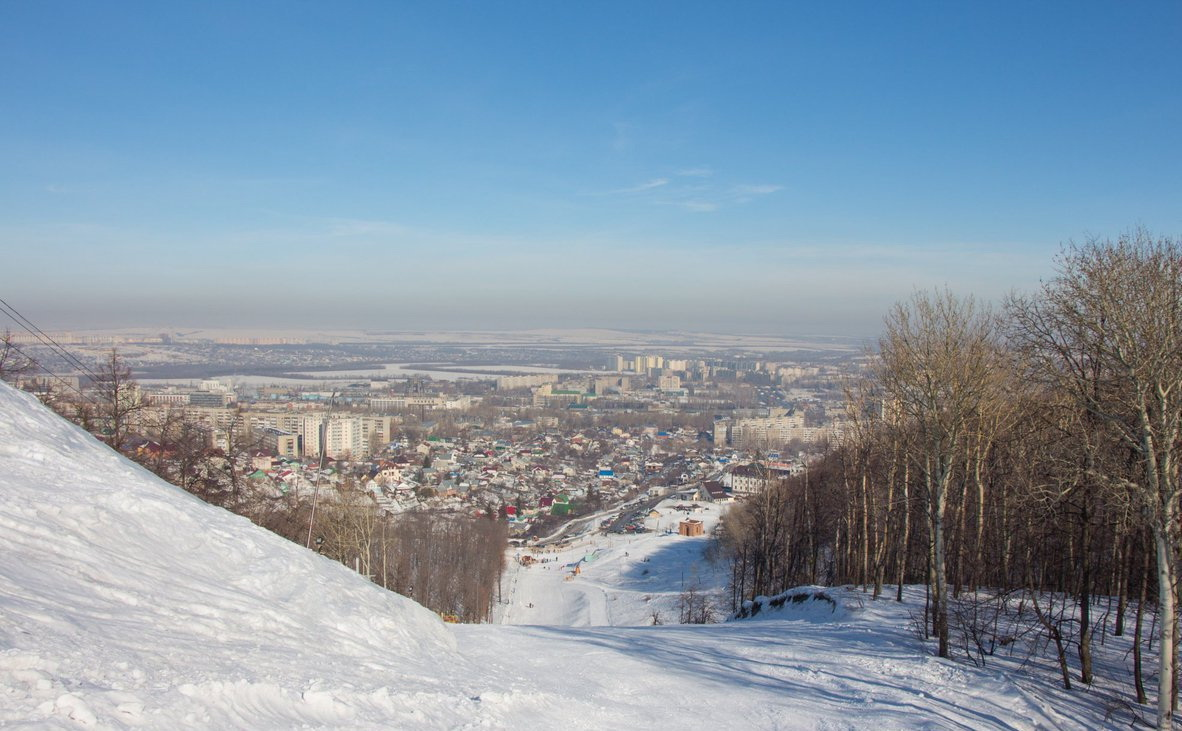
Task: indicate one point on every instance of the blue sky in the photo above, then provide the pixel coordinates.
(764, 167)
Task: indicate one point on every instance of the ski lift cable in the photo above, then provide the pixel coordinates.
(45, 338)
(40, 367)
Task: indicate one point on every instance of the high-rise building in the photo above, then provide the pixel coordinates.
(309, 431)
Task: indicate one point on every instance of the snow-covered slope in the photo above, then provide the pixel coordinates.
(125, 603)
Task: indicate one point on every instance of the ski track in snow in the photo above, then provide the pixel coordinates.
(128, 604)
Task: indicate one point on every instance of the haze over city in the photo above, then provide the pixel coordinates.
(756, 167)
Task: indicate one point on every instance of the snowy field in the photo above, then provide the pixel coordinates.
(127, 604)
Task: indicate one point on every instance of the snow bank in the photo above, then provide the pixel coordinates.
(121, 595)
(812, 603)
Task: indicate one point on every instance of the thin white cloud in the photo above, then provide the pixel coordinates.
(757, 189)
(363, 227)
(654, 183)
(648, 185)
(694, 189)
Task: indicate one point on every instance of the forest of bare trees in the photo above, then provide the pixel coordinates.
(1028, 453)
(450, 563)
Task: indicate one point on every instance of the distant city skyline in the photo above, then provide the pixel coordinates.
(778, 167)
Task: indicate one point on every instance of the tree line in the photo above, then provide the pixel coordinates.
(1027, 451)
(451, 563)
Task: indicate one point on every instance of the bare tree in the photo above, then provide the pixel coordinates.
(13, 361)
(937, 354)
(120, 400)
(1108, 331)
(349, 525)
(183, 448)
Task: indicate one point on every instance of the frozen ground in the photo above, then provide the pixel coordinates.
(126, 604)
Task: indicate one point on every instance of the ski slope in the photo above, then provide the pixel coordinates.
(622, 579)
(127, 604)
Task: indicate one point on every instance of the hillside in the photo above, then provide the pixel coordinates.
(125, 603)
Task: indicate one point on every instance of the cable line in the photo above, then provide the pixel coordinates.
(45, 339)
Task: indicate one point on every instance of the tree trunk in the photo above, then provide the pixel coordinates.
(1121, 559)
(864, 558)
(959, 538)
(1165, 602)
(1138, 679)
(979, 542)
(940, 603)
(884, 530)
(905, 539)
(1085, 594)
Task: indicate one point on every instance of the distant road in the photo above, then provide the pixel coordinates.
(629, 514)
(567, 528)
(625, 515)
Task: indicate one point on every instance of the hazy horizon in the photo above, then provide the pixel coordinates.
(623, 341)
(763, 167)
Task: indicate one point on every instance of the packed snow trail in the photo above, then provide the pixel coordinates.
(128, 604)
(622, 579)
